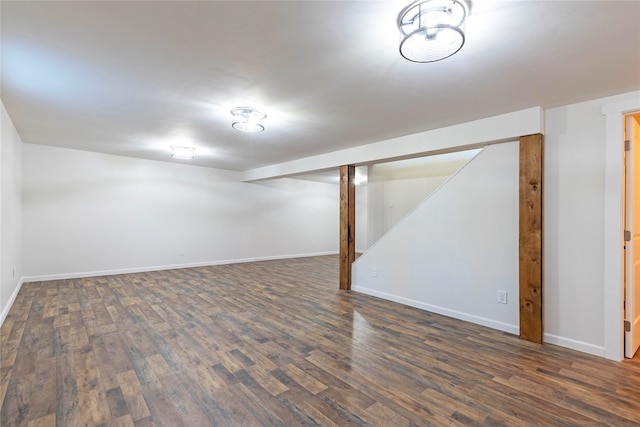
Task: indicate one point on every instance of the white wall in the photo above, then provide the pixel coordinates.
(396, 188)
(361, 217)
(90, 213)
(390, 200)
(457, 248)
(402, 196)
(10, 214)
(574, 206)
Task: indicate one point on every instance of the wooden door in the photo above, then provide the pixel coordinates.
(632, 231)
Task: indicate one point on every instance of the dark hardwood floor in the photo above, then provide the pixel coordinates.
(277, 343)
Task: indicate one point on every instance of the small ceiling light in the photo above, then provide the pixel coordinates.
(432, 30)
(184, 153)
(359, 180)
(247, 119)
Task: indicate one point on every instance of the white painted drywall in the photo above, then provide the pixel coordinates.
(87, 212)
(396, 188)
(574, 206)
(614, 295)
(402, 196)
(361, 218)
(457, 248)
(10, 213)
(391, 200)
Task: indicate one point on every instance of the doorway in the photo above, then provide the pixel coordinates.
(631, 238)
(613, 283)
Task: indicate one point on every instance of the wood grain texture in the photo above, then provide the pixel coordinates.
(531, 154)
(276, 343)
(347, 224)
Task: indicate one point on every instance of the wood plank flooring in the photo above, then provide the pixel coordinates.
(277, 344)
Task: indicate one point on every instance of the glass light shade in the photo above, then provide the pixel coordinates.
(247, 119)
(247, 126)
(432, 30)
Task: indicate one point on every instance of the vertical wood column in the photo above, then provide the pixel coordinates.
(347, 224)
(531, 237)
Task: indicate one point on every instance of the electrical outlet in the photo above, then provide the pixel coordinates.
(502, 297)
(374, 271)
(181, 251)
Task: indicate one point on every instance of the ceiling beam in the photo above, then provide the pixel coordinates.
(475, 134)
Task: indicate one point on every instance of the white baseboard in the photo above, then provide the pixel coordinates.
(166, 267)
(12, 299)
(582, 346)
(513, 329)
(505, 327)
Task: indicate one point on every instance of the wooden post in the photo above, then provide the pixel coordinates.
(531, 237)
(347, 224)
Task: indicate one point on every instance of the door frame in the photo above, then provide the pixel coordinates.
(614, 226)
(631, 254)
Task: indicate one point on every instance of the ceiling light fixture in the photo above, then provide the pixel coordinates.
(247, 119)
(432, 30)
(183, 153)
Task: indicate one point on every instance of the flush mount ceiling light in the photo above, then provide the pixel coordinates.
(183, 153)
(247, 119)
(432, 30)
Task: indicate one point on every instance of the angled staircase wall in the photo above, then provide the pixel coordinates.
(457, 248)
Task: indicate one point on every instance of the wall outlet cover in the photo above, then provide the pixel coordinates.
(502, 297)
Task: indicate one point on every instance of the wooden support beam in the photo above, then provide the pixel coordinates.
(531, 237)
(347, 224)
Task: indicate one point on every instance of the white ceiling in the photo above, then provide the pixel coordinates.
(131, 78)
